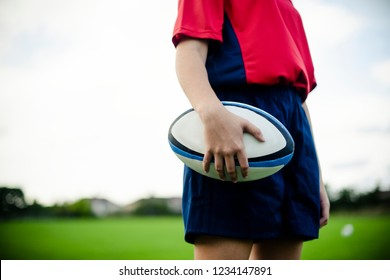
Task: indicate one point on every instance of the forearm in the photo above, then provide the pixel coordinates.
(192, 75)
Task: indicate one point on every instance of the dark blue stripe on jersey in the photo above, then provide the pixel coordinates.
(224, 63)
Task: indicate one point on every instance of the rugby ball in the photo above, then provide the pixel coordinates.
(265, 158)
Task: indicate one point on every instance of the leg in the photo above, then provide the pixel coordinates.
(278, 249)
(221, 248)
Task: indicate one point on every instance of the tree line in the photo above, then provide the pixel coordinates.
(13, 205)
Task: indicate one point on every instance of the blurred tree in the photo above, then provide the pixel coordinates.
(37, 210)
(152, 207)
(12, 202)
(81, 208)
(348, 200)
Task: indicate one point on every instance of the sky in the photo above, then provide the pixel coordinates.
(88, 90)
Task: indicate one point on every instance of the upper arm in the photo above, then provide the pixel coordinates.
(191, 46)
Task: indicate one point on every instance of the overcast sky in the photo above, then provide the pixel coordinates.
(88, 91)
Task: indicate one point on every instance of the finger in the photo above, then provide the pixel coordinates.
(206, 161)
(231, 168)
(218, 162)
(254, 131)
(324, 217)
(244, 165)
(323, 221)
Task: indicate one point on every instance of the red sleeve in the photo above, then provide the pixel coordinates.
(201, 19)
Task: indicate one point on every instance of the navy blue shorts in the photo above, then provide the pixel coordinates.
(284, 205)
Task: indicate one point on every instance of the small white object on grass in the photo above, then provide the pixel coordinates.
(347, 230)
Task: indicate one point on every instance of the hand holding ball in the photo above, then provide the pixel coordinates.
(265, 158)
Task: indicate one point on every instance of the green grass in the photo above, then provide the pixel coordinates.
(162, 238)
(111, 239)
(370, 239)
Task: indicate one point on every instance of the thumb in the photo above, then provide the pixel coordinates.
(254, 131)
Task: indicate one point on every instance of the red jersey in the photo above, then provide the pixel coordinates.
(252, 41)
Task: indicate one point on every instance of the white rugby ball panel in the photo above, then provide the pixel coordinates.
(188, 129)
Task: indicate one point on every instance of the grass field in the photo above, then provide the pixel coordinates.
(162, 238)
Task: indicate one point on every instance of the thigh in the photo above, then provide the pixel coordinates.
(208, 247)
(277, 249)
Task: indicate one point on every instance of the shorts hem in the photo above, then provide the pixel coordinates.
(189, 237)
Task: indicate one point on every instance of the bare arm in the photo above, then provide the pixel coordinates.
(324, 200)
(223, 130)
